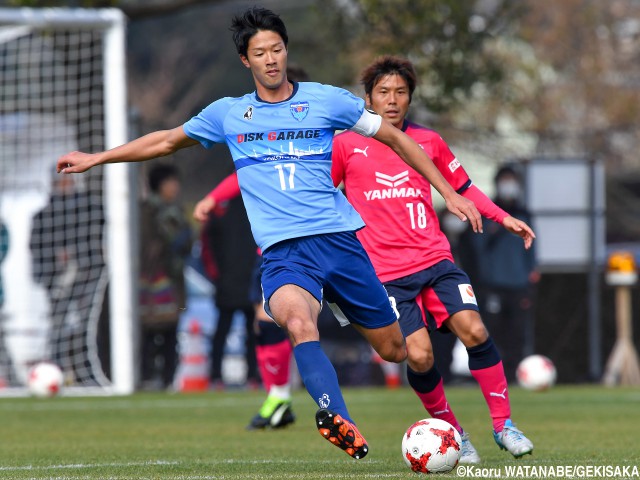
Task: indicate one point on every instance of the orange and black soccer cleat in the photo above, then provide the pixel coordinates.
(341, 433)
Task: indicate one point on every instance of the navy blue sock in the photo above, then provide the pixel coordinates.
(269, 333)
(320, 378)
(484, 355)
(423, 382)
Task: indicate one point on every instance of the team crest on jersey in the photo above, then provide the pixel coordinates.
(299, 110)
(248, 114)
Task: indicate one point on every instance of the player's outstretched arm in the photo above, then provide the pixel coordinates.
(152, 145)
(520, 228)
(416, 158)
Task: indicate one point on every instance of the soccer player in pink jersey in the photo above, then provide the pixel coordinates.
(273, 348)
(412, 256)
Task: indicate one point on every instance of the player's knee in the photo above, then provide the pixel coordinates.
(420, 359)
(301, 330)
(475, 335)
(393, 351)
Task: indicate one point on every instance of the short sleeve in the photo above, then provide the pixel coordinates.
(208, 126)
(343, 107)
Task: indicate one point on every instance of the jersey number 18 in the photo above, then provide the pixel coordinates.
(418, 215)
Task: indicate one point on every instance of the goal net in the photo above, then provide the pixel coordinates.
(66, 272)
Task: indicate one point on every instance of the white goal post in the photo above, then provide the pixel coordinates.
(69, 266)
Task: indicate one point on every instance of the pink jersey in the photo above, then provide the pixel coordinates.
(403, 234)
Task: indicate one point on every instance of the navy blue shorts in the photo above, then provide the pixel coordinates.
(255, 289)
(332, 266)
(431, 296)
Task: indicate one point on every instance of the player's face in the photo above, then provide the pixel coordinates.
(267, 59)
(390, 99)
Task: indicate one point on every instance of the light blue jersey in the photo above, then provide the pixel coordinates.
(282, 153)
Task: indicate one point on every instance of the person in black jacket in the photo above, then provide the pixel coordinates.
(504, 274)
(66, 245)
(228, 239)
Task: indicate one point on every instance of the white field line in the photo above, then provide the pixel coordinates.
(227, 476)
(74, 466)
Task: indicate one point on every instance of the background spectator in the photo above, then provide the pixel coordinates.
(504, 274)
(66, 247)
(4, 360)
(165, 244)
(227, 240)
(4, 248)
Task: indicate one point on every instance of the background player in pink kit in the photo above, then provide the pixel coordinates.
(412, 256)
(273, 348)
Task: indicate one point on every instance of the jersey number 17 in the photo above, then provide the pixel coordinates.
(282, 174)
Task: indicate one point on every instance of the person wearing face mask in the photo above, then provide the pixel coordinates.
(504, 274)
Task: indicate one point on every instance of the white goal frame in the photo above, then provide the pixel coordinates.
(119, 187)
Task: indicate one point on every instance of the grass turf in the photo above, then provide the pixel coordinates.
(202, 436)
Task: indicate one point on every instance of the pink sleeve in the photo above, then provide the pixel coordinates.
(484, 204)
(226, 189)
(446, 162)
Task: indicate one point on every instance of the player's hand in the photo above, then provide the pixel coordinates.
(75, 162)
(202, 209)
(465, 209)
(521, 229)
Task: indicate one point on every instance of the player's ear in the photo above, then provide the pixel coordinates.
(245, 61)
(367, 99)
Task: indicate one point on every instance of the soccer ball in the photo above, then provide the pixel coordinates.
(431, 446)
(45, 379)
(536, 372)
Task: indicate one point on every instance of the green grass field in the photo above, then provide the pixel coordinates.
(202, 436)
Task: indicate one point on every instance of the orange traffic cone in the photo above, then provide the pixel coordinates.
(193, 372)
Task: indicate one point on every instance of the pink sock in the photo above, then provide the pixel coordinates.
(493, 384)
(435, 402)
(274, 361)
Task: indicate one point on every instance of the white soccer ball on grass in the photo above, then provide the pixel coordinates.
(536, 373)
(431, 446)
(45, 380)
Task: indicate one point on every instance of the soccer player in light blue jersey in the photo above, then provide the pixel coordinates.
(280, 137)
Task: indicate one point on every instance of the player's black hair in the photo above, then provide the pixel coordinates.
(506, 171)
(250, 22)
(160, 173)
(387, 65)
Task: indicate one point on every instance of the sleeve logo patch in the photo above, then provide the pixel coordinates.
(453, 166)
